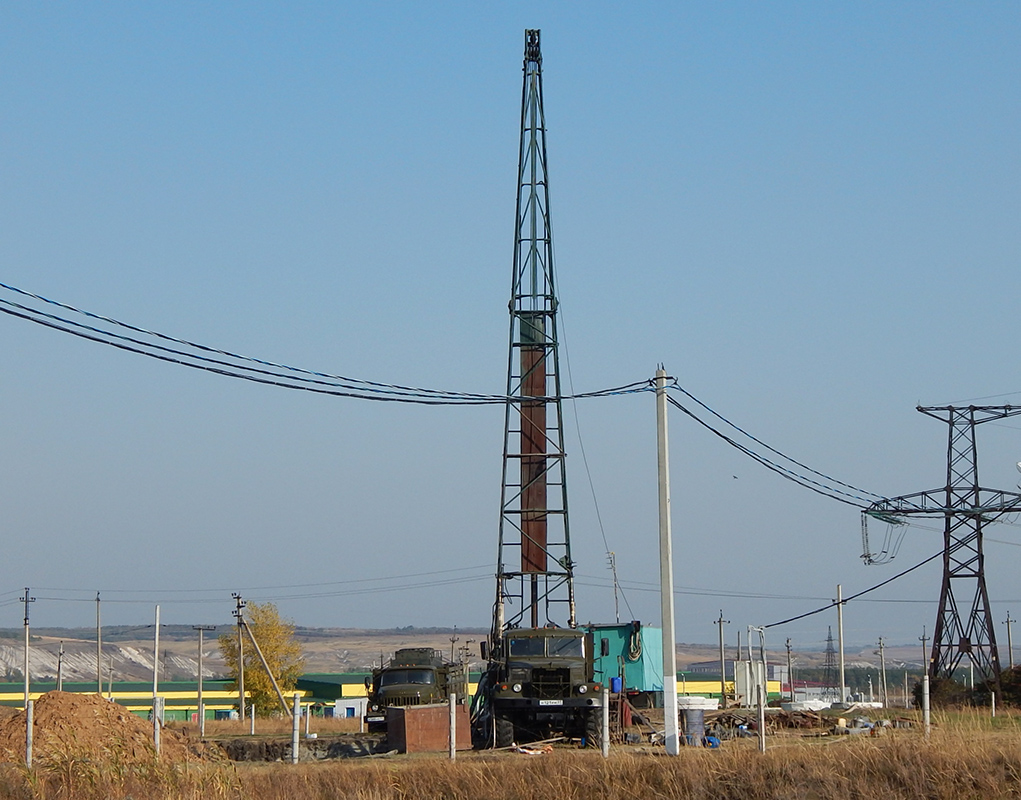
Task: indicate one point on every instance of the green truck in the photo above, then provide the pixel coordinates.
(540, 684)
(414, 676)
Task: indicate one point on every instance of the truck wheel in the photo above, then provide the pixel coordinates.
(593, 728)
(504, 732)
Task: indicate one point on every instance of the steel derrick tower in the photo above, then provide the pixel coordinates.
(534, 568)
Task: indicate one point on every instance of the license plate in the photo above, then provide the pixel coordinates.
(551, 702)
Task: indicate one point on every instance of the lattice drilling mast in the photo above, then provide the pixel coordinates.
(965, 508)
(534, 567)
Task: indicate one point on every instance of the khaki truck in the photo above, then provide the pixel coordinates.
(540, 684)
(414, 676)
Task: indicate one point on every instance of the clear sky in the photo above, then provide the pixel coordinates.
(807, 211)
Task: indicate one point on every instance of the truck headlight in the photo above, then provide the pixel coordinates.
(516, 687)
(582, 689)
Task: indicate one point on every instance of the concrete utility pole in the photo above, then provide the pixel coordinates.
(790, 669)
(60, 667)
(723, 662)
(29, 726)
(202, 707)
(611, 558)
(925, 651)
(156, 656)
(666, 573)
(156, 683)
(265, 666)
(26, 600)
(99, 651)
(840, 640)
(761, 687)
(882, 663)
(239, 613)
(1010, 645)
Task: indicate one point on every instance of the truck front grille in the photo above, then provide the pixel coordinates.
(404, 700)
(551, 684)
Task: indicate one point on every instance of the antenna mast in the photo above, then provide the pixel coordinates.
(534, 568)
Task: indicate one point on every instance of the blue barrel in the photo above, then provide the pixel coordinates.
(616, 684)
(694, 725)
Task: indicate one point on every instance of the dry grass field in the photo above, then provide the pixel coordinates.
(967, 756)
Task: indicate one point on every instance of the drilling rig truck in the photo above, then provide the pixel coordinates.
(539, 681)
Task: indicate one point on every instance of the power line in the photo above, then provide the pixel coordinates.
(832, 604)
(249, 589)
(267, 372)
(720, 417)
(802, 480)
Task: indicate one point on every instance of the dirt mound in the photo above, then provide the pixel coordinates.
(85, 726)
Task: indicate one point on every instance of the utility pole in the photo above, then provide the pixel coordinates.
(925, 651)
(882, 685)
(790, 669)
(99, 651)
(239, 614)
(666, 572)
(156, 706)
(60, 667)
(26, 600)
(1010, 645)
(202, 708)
(965, 508)
(612, 558)
(761, 687)
(840, 642)
(269, 672)
(723, 662)
(156, 656)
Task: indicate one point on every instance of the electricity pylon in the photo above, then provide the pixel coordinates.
(965, 508)
(534, 567)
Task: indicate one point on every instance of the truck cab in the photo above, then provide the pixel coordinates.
(542, 685)
(414, 676)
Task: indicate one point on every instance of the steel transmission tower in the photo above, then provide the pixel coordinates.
(534, 567)
(961, 633)
(829, 675)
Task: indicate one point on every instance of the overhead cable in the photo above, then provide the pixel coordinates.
(267, 372)
(786, 457)
(818, 487)
(846, 600)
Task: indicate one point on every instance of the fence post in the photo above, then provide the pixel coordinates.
(925, 704)
(453, 725)
(605, 738)
(295, 721)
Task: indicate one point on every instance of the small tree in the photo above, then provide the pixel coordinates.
(280, 647)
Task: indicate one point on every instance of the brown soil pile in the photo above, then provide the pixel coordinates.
(87, 727)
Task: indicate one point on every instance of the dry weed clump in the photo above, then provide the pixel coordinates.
(894, 767)
(964, 758)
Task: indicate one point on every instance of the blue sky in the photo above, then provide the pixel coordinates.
(808, 212)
